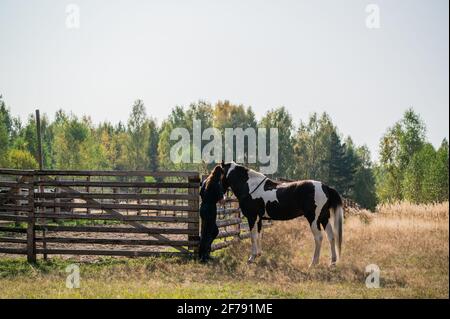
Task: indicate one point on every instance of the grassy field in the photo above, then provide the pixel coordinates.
(410, 245)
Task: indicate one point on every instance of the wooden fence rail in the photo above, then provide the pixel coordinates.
(126, 213)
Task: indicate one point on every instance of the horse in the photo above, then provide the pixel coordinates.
(263, 198)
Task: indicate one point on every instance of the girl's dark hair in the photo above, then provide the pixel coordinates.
(214, 177)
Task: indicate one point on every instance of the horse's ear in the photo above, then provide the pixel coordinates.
(222, 164)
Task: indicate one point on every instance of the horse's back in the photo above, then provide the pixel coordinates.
(294, 199)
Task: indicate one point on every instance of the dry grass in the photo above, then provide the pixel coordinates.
(409, 243)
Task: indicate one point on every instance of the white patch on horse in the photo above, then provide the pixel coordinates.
(319, 197)
(255, 179)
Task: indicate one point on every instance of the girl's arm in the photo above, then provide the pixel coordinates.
(202, 189)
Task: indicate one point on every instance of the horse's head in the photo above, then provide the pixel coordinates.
(233, 176)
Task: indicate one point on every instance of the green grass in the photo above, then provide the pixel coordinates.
(109, 278)
(148, 278)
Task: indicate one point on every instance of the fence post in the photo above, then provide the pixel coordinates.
(194, 213)
(238, 226)
(31, 243)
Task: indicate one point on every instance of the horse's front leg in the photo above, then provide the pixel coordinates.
(254, 238)
(259, 236)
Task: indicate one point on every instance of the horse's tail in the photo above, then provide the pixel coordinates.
(336, 206)
(338, 227)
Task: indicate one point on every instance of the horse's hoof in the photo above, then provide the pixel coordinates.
(332, 264)
(251, 259)
(312, 265)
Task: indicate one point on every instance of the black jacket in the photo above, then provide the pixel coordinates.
(212, 195)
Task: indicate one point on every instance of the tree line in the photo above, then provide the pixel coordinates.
(409, 167)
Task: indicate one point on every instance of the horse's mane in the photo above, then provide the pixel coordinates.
(259, 174)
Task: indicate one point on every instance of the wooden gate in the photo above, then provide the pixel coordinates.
(116, 213)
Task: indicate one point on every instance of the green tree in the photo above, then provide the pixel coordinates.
(340, 164)
(138, 131)
(414, 187)
(76, 144)
(4, 143)
(203, 112)
(312, 147)
(435, 179)
(181, 118)
(441, 172)
(5, 116)
(5, 130)
(229, 115)
(281, 119)
(363, 191)
(336, 164)
(397, 148)
(177, 118)
(412, 137)
(119, 152)
(21, 159)
(25, 138)
(152, 149)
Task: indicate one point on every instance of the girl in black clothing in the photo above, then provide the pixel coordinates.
(211, 193)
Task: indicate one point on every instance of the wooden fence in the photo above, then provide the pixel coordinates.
(126, 213)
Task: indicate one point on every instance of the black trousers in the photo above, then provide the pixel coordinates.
(209, 231)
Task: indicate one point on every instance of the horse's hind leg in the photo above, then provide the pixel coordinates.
(316, 220)
(255, 235)
(330, 235)
(254, 238)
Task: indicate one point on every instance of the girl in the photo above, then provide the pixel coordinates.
(211, 192)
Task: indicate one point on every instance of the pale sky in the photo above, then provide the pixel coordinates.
(305, 55)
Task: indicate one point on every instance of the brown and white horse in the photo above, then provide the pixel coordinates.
(262, 198)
